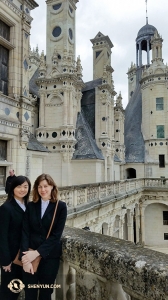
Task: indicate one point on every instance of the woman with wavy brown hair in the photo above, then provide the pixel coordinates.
(37, 221)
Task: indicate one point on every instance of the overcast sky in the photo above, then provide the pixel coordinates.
(120, 20)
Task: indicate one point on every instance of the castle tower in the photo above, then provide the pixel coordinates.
(60, 29)
(101, 55)
(154, 85)
(60, 82)
(104, 104)
(133, 135)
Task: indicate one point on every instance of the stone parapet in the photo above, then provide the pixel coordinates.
(100, 267)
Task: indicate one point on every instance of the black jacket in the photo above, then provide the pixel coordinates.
(8, 183)
(11, 217)
(35, 229)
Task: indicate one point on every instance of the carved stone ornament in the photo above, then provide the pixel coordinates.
(24, 134)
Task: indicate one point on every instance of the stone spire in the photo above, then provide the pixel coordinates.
(156, 44)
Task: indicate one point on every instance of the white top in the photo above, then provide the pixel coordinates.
(44, 204)
(22, 205)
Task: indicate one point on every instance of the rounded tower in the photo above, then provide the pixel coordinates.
(154, 87)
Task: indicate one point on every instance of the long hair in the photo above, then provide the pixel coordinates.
(18, 180)
(50, 181)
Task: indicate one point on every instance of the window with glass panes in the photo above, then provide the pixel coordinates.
(4, 58)
(160, 131)
(159, 104)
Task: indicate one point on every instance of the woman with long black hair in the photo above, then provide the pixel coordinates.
(11, 217)
(36, 226)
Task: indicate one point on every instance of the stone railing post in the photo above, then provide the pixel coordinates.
(86, 195)
(66, 282)
(142, 224)
(115, 291)
(75, 197)
(130, 225)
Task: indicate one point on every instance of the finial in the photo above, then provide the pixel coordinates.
(146, 12)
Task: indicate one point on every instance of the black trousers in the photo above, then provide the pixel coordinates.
(6, 278)
(45, 275)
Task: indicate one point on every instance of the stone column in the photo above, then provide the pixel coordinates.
(106, 116)
(70, 107)
(137, 221)
(137, 55)
(121, 222)
(140, 55)
(42, 110)
(142, 228)
(105, 168)
(65, 107)
(110, 120)
(148, 53)
(130, 226)
(103, 117)
(160, 51)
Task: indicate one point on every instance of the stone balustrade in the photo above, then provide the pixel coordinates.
(82, 194)
(100, 267)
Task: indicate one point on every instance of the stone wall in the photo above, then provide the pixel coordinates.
(99, 267)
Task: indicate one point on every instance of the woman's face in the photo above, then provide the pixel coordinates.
(44, 190)
(21, 190)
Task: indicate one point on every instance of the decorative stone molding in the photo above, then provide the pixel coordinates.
(28, 166)
(9, 123)
(8, 100)
(13, 7)
(33, 99)
(24, 135)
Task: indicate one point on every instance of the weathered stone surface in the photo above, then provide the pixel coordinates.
(143, 273)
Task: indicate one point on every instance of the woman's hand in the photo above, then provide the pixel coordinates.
(29, 256)
(28, 268)
(7, 268)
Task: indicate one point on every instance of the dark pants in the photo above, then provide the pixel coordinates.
(6, 278)
(46, 275)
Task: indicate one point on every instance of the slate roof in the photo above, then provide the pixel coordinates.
(88, 102)
(92, 84)
(116, 158)
(134, 143)
(86, 147)
(35, 145)
(33, 87)
(146, 30)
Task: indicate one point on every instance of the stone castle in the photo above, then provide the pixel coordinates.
(51, 121)
(109, 163)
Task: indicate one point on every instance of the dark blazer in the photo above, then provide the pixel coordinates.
(11, 217)
(35, 229)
